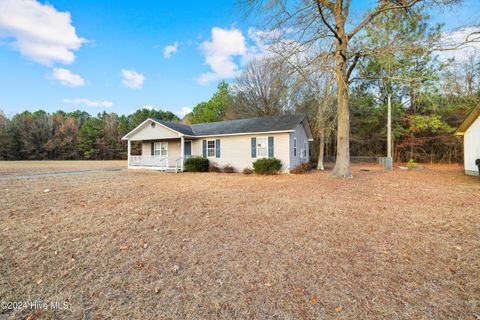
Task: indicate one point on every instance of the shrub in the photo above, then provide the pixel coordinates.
(267, 166)
(196, 164)
(301, 168)
(411, 164)
(214, 167)
(228, 169)
(247, 171)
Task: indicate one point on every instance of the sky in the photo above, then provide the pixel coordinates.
(122, 55)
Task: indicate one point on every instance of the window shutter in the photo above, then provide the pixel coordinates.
(270, 147)
(254, 147)
(217, 148)
(204, 148)
(153, 148)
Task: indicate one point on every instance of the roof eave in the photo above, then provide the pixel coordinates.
(468, 121)
(150, 119)
(242, 133)
(125, 137)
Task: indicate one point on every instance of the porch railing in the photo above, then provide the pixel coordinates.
(178, 164)
(148, 161)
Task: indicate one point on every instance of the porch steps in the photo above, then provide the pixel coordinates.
(171, 169)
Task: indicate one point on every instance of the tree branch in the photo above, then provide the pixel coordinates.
(324, 20)
(381, 8)
(352, 66)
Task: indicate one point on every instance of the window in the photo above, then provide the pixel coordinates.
(152, 124)
(211, 148)
(262, 147)
(161, 149)
(294, 147)
(305, 150)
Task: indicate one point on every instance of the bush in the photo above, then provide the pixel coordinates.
(247, 171)
(196, 164)
(228, 169)
(411, 164)
(267, 166)
(302, 168)
(214, 167)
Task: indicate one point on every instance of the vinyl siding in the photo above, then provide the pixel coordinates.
(149, 133)
(236, 150)
(146, 149)
(301, 136)
(174, 150)
(471, 150)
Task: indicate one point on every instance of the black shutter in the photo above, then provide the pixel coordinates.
(270, 147)
(153, 148)
(254, 147)
(204, 148)
(217, 148)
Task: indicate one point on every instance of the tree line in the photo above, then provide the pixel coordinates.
(70, 135)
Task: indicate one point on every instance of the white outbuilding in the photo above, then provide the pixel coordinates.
(470, 130)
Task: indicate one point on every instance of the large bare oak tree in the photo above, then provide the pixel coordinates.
(311, 21)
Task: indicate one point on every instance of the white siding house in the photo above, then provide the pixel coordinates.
(470, 130)
(299, 146)
(238, 143)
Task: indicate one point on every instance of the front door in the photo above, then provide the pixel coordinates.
(187, 149)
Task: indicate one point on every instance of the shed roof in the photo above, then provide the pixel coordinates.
(468, 121)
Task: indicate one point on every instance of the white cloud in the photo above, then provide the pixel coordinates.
(132, 79)
(66, 77)
(88, 102)
(169, 50)
(183, 112)
(262, 47)
(219, 54)
(38, 31)
(454, 39)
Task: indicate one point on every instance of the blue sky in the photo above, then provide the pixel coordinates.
(114, 59)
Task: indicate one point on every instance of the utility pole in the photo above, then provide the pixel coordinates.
(389, 160)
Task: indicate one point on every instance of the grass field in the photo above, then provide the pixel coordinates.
(146, 245)
(36, 167)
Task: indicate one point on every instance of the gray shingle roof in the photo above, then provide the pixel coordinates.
(179, 127)
(265, 124)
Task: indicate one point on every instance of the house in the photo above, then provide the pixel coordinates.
(470, 130)
(165, 145)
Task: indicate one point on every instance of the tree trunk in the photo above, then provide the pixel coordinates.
(321, 151)
(342, 163)
(411, 146)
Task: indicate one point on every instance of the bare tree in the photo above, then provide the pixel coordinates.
(317, 20)
(314, 86)
(325, 119)
(261, 89)
(472, 70)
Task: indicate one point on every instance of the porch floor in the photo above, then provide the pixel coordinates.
(163, 169)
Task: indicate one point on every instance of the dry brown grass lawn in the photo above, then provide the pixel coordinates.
(34, 166)
(147, 245)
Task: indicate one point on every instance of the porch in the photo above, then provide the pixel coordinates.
(167, 155)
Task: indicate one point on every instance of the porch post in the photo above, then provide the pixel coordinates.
(182, 151)
(129, 148)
